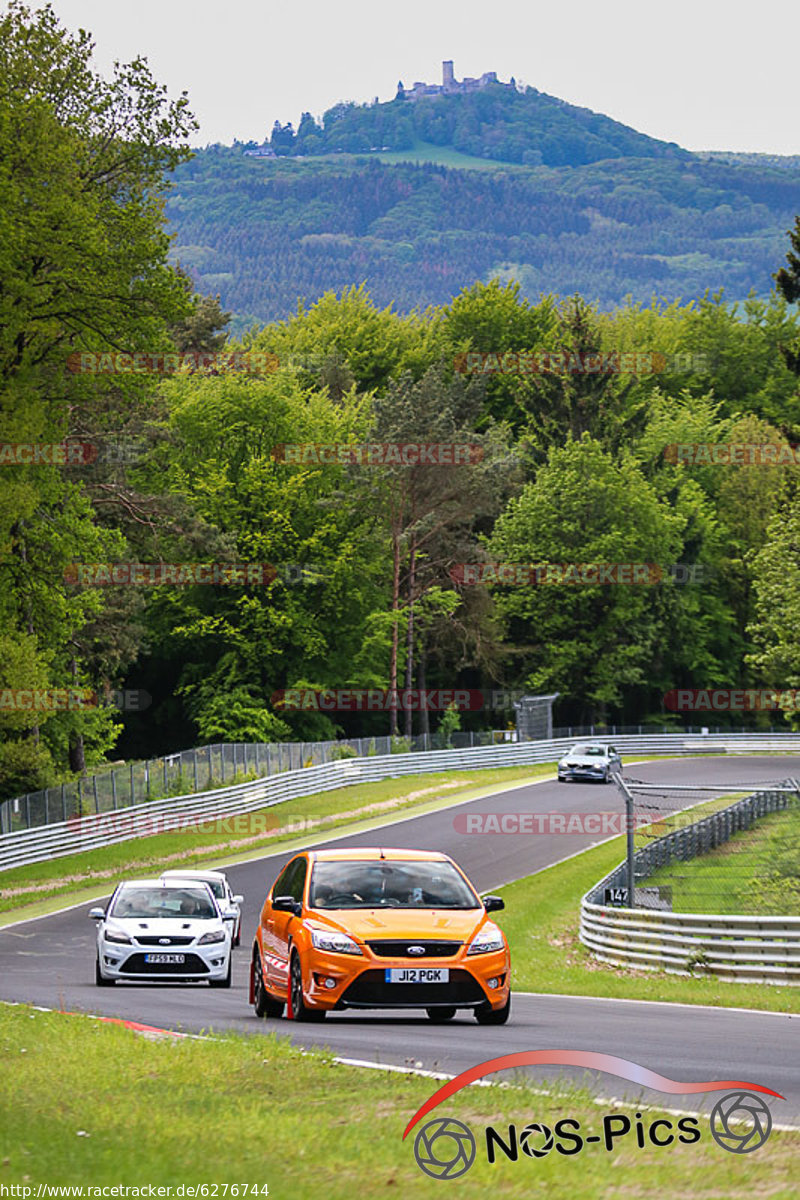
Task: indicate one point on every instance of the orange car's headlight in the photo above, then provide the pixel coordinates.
(333, 942)
(487, 941)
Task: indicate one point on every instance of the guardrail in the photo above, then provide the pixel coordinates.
(207, 767)
(747, 949)
(104, 829)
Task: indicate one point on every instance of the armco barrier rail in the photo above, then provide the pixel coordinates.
(104, 829)
(748, 949)
(206, 767)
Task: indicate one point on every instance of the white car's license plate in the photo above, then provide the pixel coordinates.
(165, 958)
(417, 975)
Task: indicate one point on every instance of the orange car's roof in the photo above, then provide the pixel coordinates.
(369, 853)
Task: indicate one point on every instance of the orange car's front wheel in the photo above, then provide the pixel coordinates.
(486, 1015)
(298, 1009)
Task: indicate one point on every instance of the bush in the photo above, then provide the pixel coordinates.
(344, 751)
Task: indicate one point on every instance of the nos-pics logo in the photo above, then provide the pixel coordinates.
(446, 1148)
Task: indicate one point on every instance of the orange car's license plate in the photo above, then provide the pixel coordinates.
(417, 975)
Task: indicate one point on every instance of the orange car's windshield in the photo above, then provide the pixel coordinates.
(386, 884)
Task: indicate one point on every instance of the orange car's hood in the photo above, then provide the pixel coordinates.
(364, 923)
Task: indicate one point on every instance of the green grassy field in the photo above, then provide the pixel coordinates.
(444, 156)
(297, 822)
(87, 1103)
(756, 872)
(541, 923)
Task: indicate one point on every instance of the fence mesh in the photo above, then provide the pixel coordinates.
(206, 768)
(726, 848)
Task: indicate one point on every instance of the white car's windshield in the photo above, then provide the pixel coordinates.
(590, 751)
(389, 884)
(151, 903)
(216, 885)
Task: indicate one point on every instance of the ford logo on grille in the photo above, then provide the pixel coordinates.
(415, 949)
(165, 941)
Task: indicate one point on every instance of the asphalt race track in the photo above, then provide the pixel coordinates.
(50, 962)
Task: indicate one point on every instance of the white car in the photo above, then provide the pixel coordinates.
(154, 929)
(218, 882)
(591, 761)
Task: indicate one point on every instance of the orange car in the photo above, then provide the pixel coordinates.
(378, 929)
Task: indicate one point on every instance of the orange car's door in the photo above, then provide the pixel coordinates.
(292, 884)
(271, 977)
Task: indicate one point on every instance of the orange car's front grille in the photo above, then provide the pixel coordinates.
(396, 948)
(371, 990)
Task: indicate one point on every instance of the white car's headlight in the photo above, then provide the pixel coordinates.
(110, 936)
(488, 940)
(218, 935)
(333, 942)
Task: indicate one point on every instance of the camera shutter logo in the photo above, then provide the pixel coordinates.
(736, 1107)
(444, 1148)
(528, 1139)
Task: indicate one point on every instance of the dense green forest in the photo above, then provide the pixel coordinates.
(263, 232)
(366, 585)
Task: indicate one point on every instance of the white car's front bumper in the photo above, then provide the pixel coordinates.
(118, 961)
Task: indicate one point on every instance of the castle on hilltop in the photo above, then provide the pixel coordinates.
(450, 86)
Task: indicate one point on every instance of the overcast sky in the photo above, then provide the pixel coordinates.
(709, 74)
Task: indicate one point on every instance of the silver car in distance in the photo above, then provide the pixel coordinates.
(591, 761)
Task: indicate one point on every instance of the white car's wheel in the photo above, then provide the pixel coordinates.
(222, 983)
(100, 979)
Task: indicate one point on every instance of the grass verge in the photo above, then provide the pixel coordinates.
(84, 876)
(541, 923)
(756, 872)
(87, 1103)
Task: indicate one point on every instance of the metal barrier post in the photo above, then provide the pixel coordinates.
(629, 823)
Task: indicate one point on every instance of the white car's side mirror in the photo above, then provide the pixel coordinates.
(237, 899)
(97, 914)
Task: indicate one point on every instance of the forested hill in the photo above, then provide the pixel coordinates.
(264, 232)
(498, 122)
